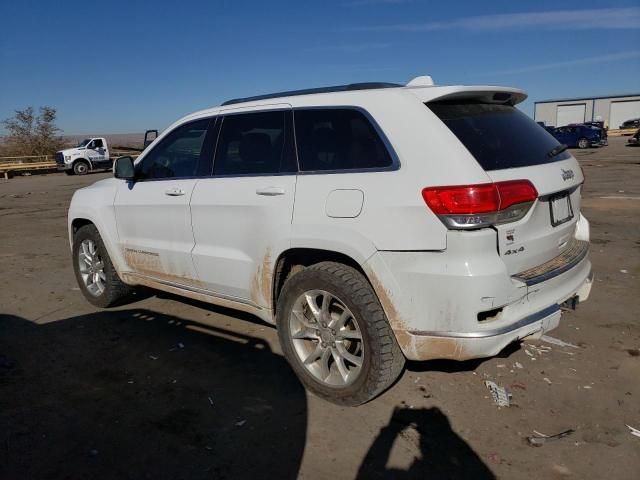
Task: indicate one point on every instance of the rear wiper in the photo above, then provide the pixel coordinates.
(557, 150)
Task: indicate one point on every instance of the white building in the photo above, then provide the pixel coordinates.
(612, 110)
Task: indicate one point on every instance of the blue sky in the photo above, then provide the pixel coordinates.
(124, 66)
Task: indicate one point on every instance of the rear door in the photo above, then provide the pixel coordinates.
(241, 215)
(510, 146)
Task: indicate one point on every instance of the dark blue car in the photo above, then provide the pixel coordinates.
(581, 136)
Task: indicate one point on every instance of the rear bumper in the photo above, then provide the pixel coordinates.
(436, 301)
(479, 344)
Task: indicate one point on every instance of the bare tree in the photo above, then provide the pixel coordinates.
(31, 134)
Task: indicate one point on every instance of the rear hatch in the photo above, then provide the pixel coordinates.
(510, 146)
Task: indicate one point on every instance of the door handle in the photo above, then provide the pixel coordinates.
(270, 191)
(174, 192)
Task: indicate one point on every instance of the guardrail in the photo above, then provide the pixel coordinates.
(621, 132)
(28, 163)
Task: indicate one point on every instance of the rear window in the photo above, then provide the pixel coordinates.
(498, 136)
(332, 139)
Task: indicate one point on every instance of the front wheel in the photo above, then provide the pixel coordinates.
(335, 334)
(81, 167)
(584, 143)
(98, 280)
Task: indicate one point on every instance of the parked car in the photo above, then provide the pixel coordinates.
(633, 123)
(580, 136)
(371, 223)
(635, 139)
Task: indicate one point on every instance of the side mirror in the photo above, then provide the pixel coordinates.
(123, 168)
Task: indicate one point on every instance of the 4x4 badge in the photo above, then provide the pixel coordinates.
(567, 174)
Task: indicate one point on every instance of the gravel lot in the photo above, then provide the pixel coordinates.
(171, 388)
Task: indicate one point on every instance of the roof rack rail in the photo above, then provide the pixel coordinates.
(309, 91)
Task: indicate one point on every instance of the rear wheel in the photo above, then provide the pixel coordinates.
(98, 280)
(335, 335)
(81, 167)
(584, 143)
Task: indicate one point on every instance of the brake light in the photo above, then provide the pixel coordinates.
(474, 206)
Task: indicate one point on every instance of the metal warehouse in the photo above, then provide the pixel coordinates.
(612, 110)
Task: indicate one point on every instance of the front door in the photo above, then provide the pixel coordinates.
(96, 153)
(242, 215)
(152, 213)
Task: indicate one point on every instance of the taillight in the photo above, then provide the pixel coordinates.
(475, 206)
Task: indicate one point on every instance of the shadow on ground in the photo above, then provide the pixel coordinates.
(113, 395)
(139, 394)
(443, 454)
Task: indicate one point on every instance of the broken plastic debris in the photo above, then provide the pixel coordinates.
(540, 349)
(547, 380)
(633, 431)
(557, 341)
(500, 394)
(540, 439)
(623, 271)
(153, 357)
(240, 423)
(518, 365)
(210, 401)
(528, 352)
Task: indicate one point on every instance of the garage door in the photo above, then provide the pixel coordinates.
(570, 114)
(621, 111)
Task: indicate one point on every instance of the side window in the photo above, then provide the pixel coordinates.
(255, 143)
(177, 155)
(97, 143)
(338, 139)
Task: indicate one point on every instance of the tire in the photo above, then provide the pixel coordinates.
(69, 172)
(81, 167)
(583, 143)
(107, 290)
(351, 296)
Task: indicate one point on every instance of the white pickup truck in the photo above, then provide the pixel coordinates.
(92, 154)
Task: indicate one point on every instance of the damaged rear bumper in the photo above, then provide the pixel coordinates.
(479, 344)
(442, 307)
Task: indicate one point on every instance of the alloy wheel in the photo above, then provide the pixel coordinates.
(91, 268)
(326, 338)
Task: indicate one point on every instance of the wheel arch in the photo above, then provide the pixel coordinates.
(110, 244)
(296, 259)
(82, 159)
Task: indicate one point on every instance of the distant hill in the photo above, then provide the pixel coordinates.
(113, 139)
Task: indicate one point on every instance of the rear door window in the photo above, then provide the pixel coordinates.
(256, 143)
(498, 136)
(338, 139)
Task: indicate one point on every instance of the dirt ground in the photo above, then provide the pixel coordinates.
(171, 388)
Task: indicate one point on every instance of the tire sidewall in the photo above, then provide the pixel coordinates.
(583, 143)
(90, 232)
(319, 280)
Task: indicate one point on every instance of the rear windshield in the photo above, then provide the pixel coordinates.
(498, 136)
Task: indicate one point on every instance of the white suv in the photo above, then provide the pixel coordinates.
(372, 223)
